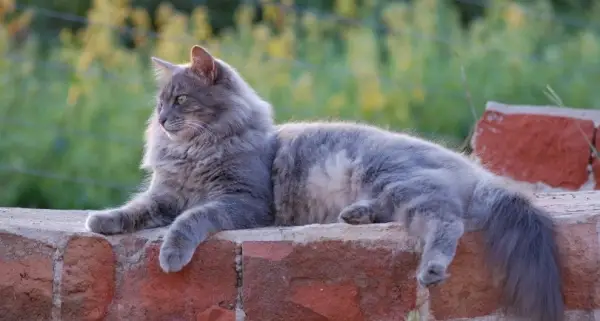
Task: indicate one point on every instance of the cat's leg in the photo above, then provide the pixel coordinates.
(440, 232)
(431, 219)
(361, 212)
(196, 224)
(379, 209)
(430, 211)
(145, 210)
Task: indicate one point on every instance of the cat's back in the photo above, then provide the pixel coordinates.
(327, 137)
(310, 141)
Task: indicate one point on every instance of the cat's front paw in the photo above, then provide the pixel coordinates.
(432, 273)
(357, 214)
(175, 254)
(105, 222)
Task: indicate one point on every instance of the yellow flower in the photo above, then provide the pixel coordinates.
(271, 12)
(85, 60)
(281, 46)
(164, 13)
(346, 8)
(370, 96)
(73, 95)
(261, 33)
(6, 6)
(202, 30)
(281, 79)
(19, 23)
(66, 36)
(336, 102)
(244, 16)
(174, 41)
(140, 18)
(514, 15)
(418, 94)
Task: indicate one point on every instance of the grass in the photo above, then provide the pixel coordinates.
(72, 115)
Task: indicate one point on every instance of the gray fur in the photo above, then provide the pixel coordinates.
(210, 161)
(358, 174)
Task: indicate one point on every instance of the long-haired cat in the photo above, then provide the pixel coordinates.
(359, 174)
(209, 151)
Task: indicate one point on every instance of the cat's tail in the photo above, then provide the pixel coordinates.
(521, 244)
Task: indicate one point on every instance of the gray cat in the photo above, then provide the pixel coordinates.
(358, 174)
(209, 149)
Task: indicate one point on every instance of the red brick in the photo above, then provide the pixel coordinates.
(469, 291)
(596, 160)
(535, 148)
(216, 313)
(88, 279)
(327, 281)
(147, 293)
(26, 277)
(580, 251)
(326, 299)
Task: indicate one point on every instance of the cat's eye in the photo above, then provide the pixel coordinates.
(181, 99)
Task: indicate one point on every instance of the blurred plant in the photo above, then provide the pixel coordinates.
(72, 118)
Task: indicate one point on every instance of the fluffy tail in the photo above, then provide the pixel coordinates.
(521, 244)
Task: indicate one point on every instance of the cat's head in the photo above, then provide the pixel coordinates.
(206, 98)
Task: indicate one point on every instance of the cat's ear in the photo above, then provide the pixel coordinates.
(203, 63)
(164, 69)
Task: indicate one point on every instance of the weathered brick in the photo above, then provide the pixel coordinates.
(580, 252)
(535, 147)
(88, 278)
(145, 292)
(327, 280)
(326, 299)
(216, 313)
(366, 274)
(26, 278)
(596, 159)
(469, 291)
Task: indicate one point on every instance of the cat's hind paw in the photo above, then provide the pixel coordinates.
(432, 273)
(175, 255)
(105, 222)
(357, 214)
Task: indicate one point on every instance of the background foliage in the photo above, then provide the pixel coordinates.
(76, 87)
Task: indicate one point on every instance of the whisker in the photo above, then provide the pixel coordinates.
(201, 126)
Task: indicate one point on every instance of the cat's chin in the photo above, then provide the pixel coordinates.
(170, 135)
(176, 137)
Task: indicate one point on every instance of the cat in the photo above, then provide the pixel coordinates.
(209, 149)
(329, 172)
(218, 162)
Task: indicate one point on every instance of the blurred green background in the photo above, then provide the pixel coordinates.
(76, 87)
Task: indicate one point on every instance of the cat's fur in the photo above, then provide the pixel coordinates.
(209, 154)
(330, 172)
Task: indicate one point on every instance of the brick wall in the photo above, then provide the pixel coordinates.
(544, 145)
(51, 270)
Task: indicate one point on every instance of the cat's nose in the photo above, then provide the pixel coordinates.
(162, 119)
